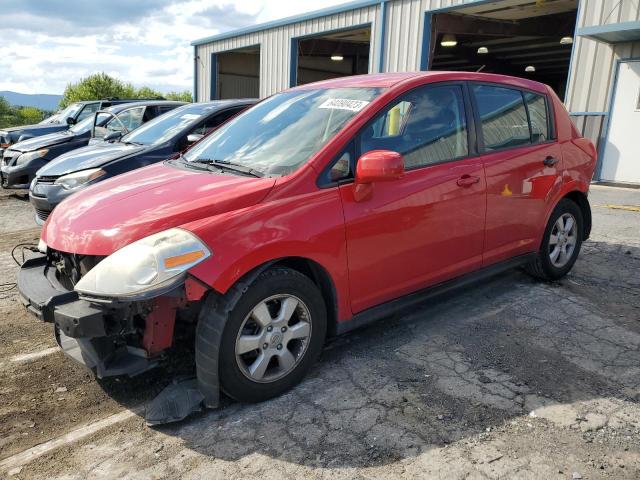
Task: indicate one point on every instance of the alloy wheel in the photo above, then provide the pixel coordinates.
(273, 338)
(562, 241)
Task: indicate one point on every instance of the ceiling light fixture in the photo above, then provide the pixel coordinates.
(566, 40)
(530, 69)
(483, 50)
(336, 57)
(449, 40)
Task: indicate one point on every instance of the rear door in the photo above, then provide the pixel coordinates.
(522, 164)
(427, 226)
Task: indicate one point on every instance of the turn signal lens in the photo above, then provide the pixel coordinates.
(184, 259)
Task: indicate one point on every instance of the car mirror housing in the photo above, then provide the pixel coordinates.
(71, 121)
(379, 166)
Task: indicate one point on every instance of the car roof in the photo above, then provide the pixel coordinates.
(388, 80)
(150, 103)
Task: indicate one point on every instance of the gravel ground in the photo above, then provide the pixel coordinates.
(512, 378)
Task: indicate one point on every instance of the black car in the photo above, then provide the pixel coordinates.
(62, 120)
(160, 139)
(22, 160)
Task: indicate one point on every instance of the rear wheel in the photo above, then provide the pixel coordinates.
(272, 336)
(561, 242)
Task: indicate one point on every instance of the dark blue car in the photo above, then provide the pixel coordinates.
(161, 138)
(21, 161)
(62, 120)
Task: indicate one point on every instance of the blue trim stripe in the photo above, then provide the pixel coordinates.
(195, 73)
(382, 35)
(612, 33)
(214, 76)
(293, 63)
(426, 42)
(573, 51)
(588, 114)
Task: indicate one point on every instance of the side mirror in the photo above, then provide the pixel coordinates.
(193, 138)
(71, 121)
(112, 136)
(379, 166)
(376, 166)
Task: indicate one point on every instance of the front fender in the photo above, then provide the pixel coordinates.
(309, 226)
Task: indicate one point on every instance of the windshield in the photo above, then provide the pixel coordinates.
(84, 126)
(164, 127)
(70, 111)
(280, 134)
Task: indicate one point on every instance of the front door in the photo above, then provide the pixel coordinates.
(427, 226)
(522, 166)
(621, 159)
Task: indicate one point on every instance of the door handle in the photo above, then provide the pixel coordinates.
(467, 180)
(550, 161)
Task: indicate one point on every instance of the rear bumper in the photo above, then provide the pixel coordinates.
(89, 333)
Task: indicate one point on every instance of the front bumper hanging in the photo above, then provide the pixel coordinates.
(82, 328)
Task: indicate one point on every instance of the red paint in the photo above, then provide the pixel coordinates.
(377, 240)
(158, 332)
(194, 289)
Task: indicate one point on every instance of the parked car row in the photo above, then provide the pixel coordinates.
(20, 161)
(314, 212)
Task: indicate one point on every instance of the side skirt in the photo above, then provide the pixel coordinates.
(391, 307)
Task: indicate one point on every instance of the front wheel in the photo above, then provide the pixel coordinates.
(272, 336)
(561, 242)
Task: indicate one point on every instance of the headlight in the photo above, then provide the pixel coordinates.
(42, 247)
(27, 157)
(148, 266)
(77, 179)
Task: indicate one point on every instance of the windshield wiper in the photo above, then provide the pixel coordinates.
(234, 167)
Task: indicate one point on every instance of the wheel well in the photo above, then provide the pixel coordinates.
(580, 199)
(321, 278)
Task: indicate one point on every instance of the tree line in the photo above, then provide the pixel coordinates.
(93, 87)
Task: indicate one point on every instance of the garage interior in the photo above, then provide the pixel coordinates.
(238, 74)
(510, 38)
(332, 55)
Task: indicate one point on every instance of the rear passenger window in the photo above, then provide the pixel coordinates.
(427, 125)
(537, 106)
(503, 117)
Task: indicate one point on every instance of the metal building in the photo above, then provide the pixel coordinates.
(587, 50)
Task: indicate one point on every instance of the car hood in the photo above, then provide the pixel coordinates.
(111, 214)
(91, 156)
(44, 141)
(37, 129)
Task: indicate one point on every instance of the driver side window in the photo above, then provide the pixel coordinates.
(427, 125)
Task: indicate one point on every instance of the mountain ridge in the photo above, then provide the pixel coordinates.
(42, 101)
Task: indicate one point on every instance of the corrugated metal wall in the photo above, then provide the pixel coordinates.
(593, 62)
(405, 22)
(590, 78)
(275, 49)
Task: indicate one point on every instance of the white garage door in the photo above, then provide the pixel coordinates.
(621, 159)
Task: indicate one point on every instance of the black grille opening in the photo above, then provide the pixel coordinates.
(70, 268)
(42, 214)
(47, 179)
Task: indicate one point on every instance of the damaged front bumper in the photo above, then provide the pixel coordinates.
(90, 332)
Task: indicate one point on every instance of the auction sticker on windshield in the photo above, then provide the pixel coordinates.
(344, 104)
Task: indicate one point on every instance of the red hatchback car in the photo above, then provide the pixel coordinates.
(316, 211)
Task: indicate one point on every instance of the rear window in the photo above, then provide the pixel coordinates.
(503, 117)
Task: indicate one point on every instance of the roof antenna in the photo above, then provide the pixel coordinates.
(480, 69)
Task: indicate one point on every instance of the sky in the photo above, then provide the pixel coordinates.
(46, 44)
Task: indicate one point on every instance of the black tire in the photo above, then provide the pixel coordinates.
(275, 281)
(542, 267)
